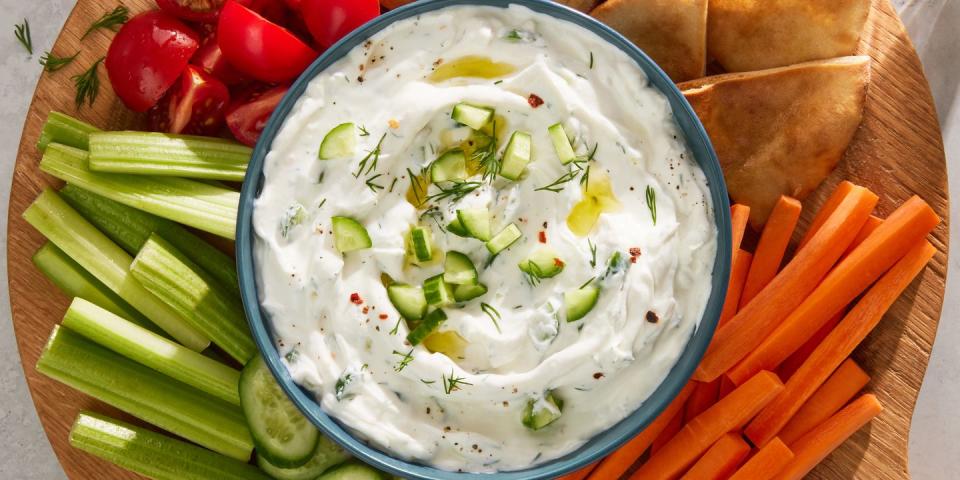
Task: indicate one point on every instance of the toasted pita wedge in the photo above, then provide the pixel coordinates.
(780, 131)
(746, 35)
(583, 5)
(672, 32)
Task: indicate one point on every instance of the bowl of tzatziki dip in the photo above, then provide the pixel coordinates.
(483, 238)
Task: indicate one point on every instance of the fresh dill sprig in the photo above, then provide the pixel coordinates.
(652, 203)
(322, 175)
(593, 253)
(591, 60)
(110, 20)
(88, 85)
(415, 186)
(588, 282)
(322, 203)
(396, 328)
(22, 32)
(486, 157)
(392, 184)
(341, 385)
(428, 382)
(558, 184)
(405, 359)
(433, 213)
(517, 35)
(456, 191)
(492, 313)
(581, 165)
(452, 383)
(52, 63)
(370, 161)
(534, 274)
(363, 131)
(373, 186)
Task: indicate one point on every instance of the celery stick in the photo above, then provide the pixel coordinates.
(156, 352)
(171, 276)
(197, 204)
(146, 394)
(150, 153)
(66, 130)
(130, 228)
(107, 262)
(152, 454)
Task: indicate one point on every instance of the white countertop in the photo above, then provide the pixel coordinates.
(934, 438)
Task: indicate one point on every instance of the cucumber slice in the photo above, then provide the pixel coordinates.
(476, 221)
(579, 302)
(437, 291)
(451, 166)
(459, 270)
(326, 456)
(352, 471)
(561, 143)
(516, 156)
(540, 413)
(504, 239)
(409, 300)
(341, 142)
(426, 327)
(472, 116)
(457, 228)
(465, 293)
(545, 262)
(281, 433)
(349, 235)
(421, 240)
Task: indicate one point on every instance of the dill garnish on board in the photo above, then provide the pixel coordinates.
(88, 85)
(110, 20)
(51, 63)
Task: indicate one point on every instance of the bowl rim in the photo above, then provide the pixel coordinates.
(604, 442)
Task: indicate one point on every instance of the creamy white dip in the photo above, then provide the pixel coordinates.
(342, 337)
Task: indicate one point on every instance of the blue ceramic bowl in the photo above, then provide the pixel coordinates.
(604, 442)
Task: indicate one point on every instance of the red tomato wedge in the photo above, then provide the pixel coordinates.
(203, 11)
(196, 108)
(210, 58)
(247, 115)
(331, 20)
(147, 56)
(259, 48)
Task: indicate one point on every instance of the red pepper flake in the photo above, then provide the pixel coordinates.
(598, 375)
(633, 259)
(558, 262)
(366, 310)
(384, 316)
(652, 317)
(635, 251)
(534, 100)
(543, 236)
(355, 299)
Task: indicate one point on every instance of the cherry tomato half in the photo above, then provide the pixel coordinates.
(147, 56)
(203, 11)
(247, 115)
(259, 48)
(331, 20)
(210, 58)
(196, 108)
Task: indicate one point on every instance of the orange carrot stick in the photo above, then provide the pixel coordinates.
(700, 433)
(705, 395)
(739, 216)
(738, 274)
(843, 189)
(839, 344)
(720, 460)
(771, 247)
(891, 241)
(673, 426)
(733, 341)
(579, 474)
(789, 366)
(726, 386)
(843, 385)
(816, 445)
(618, 462)
(766, 463)
(868, 227)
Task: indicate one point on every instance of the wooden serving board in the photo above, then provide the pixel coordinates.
(897, 152)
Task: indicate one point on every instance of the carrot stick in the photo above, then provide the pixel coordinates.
(618, 462)
(734, 340)
(726, 386)
(843, 189)
(704, 396)
(816, 445)
(771, 247)
(868, 227)
(720, 460)
(700, 433)
(839, 344)
(579, 474)
(829, 398)
(674, 426)
(766, 463)
(739, 216)
(891, 241)
(789, 366)
(738, 274)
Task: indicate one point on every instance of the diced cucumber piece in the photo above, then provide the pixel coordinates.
(65, 130)
(437, 291)
(476, 221)
(352, 471)
(516, 156)
(579, 302)
(421, 243)
(465, 293)
(545, 262)
(504, 239)
(326, 456)
(561, 143)
(349, 235)
(340, 142)
(451, 166)
(458, 269)
(543, 412)
(167, 154)
(472, 116)
(427, 326)
(457, 228)
(409, 300)
(281, 433)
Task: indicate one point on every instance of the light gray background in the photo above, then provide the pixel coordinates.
(934, 439)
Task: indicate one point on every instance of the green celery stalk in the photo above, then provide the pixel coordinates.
(154, 351)
(131, 228)
(74, 281)
(146, 394)
(200, 205)
(171, 276)
(66, 130)
(151, 153)
(152, 454)
(93, 251)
